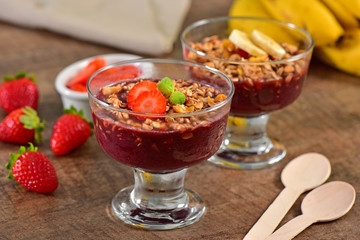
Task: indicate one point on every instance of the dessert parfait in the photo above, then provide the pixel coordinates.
(267, 61)
(159, 123)
(159, 144)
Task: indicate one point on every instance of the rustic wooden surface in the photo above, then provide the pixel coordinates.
(325, 119)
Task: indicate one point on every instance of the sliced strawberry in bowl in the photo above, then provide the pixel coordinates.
(128, 71)
(84, 74)
(144, 86)
(116, 74)
(242, 53)
(150, 102)
(79, 87)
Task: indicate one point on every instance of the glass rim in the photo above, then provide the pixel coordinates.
(220, 19)
(163, 115)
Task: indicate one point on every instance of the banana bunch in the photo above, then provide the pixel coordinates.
(333, 24)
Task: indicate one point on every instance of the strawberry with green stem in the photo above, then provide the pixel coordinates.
(21, 126)
(70, 131)
(18, 91)
(33, 170)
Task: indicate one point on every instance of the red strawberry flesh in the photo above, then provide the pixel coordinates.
(137, 89)
(150, 102)
(83, 75)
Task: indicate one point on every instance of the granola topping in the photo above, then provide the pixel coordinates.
(224, 49)
(198, 97)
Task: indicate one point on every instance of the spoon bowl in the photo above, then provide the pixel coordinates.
(306, 172)
(329, 202)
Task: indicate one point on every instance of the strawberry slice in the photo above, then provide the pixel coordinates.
(144, 86)
(119, 73)
(150, 102)
(82, 76)
(128, 71)
(243, 53)
(79, 87)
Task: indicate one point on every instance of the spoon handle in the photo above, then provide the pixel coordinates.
(292, 228)
(271, 218)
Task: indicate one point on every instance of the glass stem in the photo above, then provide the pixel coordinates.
(159, 191)
(248, 135)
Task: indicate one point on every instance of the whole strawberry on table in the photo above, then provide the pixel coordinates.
(21, 126)
(18, 91)
(33, 170)
(70, 131)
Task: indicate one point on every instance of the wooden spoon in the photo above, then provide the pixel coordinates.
(302, 174)
(325, 203)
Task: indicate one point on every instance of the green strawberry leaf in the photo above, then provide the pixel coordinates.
(8, 78)
(32, 77)
(31, 120)
(18, 75)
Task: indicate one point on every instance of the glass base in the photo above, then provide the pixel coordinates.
(246, 144)
(236, 158)
(157, 219)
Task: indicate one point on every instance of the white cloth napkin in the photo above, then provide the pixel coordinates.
(142, 26)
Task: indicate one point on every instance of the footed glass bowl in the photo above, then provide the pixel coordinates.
(159, 147)
(262, 84)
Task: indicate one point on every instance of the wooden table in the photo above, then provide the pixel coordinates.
(325, 119)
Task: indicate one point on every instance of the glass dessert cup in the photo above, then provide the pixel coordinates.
(261, 85)
(159, 147)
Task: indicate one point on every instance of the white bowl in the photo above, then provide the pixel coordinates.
(79, 99)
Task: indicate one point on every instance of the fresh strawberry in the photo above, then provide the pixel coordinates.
(128, 72)
(82, 76)
(137, 89)
(150, 102)
(79, 87)
(33, 170)
(70, 131)
(116, 74)
(243, 53)
(18, 91)
(21, 126)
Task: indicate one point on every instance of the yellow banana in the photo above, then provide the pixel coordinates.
(344, 56)
(345, 17)
(248, 8)
(353, 6)
(311, 15)
(254, 8)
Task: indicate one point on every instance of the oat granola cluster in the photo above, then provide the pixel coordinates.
(198, 97)
(224, 49)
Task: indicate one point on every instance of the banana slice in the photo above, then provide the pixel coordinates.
(268, 44)
(241, 40)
